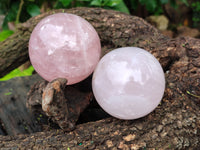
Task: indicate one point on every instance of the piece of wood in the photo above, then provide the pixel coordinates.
(15, 118)
(62, 104)
(174, 124)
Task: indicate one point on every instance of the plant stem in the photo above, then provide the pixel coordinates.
(188, 92)
(19, 11)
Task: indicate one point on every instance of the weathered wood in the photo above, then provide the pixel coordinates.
(15, 118)
(174, 124)
(62, 104)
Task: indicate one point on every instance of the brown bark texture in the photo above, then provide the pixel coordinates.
(174, 124)
(62, 104)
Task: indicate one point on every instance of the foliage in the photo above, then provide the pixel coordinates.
(21, 10)
(196, 13)
(5, 34)
(196, 6)
(18, 11)
(114, 4)
(154, 7)
(18, 73)
(107, 4)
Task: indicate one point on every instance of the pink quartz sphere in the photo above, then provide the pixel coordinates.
(64, 45)
(128, 83)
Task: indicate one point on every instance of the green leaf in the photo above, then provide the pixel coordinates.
(5, 34)
(185, 2)
(8, 93)
(18, 73)
(142, 2)
(96, 3)
(134, 4)
(65, 2)
(173, 4)
(33, 10)
(122, 7)
(150, 4)
(112, 3)
(11, 15)
(4, 4)
(164, 1)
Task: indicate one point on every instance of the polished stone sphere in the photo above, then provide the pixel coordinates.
(128, 83)
(64, 45)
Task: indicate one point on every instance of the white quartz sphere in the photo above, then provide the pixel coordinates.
(128, 83)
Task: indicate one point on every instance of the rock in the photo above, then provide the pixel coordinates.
(161, 22)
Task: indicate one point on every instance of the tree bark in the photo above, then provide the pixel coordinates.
(174, 124)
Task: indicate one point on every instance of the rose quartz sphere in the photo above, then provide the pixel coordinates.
(64, 45)
(128, 83)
